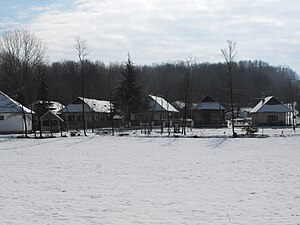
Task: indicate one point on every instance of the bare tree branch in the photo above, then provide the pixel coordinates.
(229, 55)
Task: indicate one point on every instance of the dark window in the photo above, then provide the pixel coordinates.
(1, 117)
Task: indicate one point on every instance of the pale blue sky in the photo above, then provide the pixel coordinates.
(14, 9)
(156, 31)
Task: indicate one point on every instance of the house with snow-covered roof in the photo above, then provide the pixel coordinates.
(270, 112)
(48, 114)
(208, 113)
(96, 113)
(159, 112)
(12, 115)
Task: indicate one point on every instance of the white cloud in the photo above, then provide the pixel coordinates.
(8, 23)
(157, 30)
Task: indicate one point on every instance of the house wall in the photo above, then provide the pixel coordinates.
(156, 117)
(266, 119)
(14, 123)
(209, 118)
(92, 119)
(50, 125)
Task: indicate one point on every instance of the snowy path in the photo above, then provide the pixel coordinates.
(132, 180)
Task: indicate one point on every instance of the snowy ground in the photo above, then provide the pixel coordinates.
(151, 180)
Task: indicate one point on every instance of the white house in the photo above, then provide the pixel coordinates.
(270, 112)
(12, 116)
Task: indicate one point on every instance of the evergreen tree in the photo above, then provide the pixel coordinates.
(43, 103)
(128, 97)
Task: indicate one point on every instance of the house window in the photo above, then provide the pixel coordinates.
(79, 118)
(1, 117)
(272, 118)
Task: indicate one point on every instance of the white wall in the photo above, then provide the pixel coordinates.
(14, 123)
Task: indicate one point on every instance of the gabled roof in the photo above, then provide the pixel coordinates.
(160, 104)
(178, 105)
(270, 104)
(208, 104)
(8, 105)
(91, 105)
(51, 115)
(53, 105)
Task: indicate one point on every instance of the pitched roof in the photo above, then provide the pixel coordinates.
(208, 104)
(53, 105)
(178, 105)
(51, 115)
(160, 104)
(92, 105)
(8, 105)
(270, 104)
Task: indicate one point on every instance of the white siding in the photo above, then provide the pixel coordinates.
(14, 123)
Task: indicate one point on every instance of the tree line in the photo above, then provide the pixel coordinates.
(23, 70)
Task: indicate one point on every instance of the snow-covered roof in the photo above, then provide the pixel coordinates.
(160, 104)
(270, 104)
(8, 105)
(50, 115)
(91, 105)
(54, 106)
(178, 104)
(208, 104)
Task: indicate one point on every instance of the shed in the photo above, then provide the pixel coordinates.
(50, 122)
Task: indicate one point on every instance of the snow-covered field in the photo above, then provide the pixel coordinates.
(151, 180)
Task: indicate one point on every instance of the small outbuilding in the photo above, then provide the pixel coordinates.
(14, 117)
(208, 113)
(50, 122)
(270, 112)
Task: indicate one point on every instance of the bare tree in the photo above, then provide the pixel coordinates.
(111, 109)
(229, 55)
(81, 50)
(187, 90)
(20, 53)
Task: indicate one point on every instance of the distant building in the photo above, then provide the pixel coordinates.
(180, 106)
(270, 112)
(97, 113)
(48, 116)
(12, 116)
(51, 122)
(159, 112)
(208, 113)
